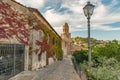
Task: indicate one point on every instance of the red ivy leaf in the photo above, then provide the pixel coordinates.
(16, 25)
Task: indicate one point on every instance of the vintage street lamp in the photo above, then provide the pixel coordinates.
(88, 11)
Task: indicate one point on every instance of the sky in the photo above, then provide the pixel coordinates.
(105, 21)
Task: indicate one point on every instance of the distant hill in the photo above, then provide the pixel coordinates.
(83, 42)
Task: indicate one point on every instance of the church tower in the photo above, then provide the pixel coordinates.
(66, 39)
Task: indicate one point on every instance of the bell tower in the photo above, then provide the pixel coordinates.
(65, 28)
(66, 39)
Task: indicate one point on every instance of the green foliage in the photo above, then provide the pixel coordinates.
(108, 70)
(80, 56)
(110, 49)
(59, 53)
(56, 47)
(105, 61)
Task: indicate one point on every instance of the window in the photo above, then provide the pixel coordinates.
(11, 60)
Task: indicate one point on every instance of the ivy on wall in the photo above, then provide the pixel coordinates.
(13, 24)
(47, 43)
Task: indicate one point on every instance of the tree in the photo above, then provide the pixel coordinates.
(110, 49)
(80, 56)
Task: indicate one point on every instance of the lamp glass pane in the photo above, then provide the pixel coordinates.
(88, 9)
(85, 11)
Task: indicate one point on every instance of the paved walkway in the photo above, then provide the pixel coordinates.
(61, 70)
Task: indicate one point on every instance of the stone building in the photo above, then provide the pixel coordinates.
(52, 40)
(66, 39)
(27, 40)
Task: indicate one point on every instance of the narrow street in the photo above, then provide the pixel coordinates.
(61, 70)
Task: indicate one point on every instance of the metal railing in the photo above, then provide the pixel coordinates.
(11, 60)
(76, 66)
(80, 69)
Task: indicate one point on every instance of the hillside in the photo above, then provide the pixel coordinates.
(83, 42)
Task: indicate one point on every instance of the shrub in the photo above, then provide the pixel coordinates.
(108, 70)
(80, 56)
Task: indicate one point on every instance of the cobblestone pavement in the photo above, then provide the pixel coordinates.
(61, 70)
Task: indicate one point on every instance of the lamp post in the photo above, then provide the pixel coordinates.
(88, 11)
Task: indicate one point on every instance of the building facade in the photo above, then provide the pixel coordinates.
(27, 40)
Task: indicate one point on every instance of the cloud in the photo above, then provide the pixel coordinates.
(54, 18)
(74, 19)
(71, 11)
(103, 27)
(33, 3)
